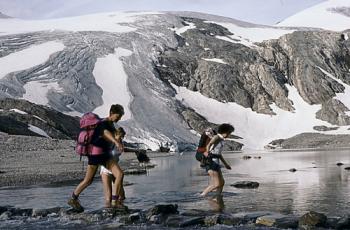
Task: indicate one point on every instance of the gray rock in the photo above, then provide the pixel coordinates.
(250, 217)
(292, 170)
(183, 221)
(224, 219)
(45, 212)
(135, 171)
(343, 223)
(312, 219)
(246, 184)
(312, 140)
(324, 128)
(162, 209)
(5, 216)
(278, 220)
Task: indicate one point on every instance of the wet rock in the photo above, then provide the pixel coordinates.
(347, 168)
(250, 217)
(4, 209)
(343, 223)
(340, 164)
(135, 217)
(135, 171)
(257, 157)
(312, 219)
(2, 172)
(45, 212)
(21, 212)
(278, 220)
(195, 212)
(224, 219)
(246, 184)
(156, 219)
(5, 216)
(183, 221)
(246, 157)
(163, 209)
(292, 170)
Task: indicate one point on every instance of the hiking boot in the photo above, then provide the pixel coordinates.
(75, 204)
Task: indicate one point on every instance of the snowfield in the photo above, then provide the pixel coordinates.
(257, 130)
(27, 58)
(321, 16)
(109, 22)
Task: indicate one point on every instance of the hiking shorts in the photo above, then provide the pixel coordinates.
(212, 165)
(98, 159)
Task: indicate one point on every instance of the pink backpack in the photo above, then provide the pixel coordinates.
(88, 123)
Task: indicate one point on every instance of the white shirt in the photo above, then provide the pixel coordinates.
(218, 148)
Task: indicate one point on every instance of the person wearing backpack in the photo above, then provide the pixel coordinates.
(102, 141)
(213, 153)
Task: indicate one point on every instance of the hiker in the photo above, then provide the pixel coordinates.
(102, 140)
(108, 180)
(212, 156)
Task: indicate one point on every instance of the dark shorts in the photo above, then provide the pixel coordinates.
(207, 163)
(98, 159)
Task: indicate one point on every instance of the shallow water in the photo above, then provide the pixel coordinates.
(318, 185)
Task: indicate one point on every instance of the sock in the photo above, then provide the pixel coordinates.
(75, 197)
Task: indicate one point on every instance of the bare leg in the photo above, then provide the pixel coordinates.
(221, 183)
(214, 182)
(107, 189)
(118, 174)
(89, 177)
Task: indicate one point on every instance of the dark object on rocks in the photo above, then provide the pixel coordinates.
(142, 156)
(340, 164)
(246, 157)
(246, 184)
(292, 170)
(163, 209)
(312, 219)
(347, 168)
(2, 172)
(257, 157)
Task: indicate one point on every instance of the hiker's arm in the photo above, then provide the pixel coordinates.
(224, 162)
(109, 137)
(212, 142)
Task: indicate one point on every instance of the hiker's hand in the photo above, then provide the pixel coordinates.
(206, 154)
(120, 147)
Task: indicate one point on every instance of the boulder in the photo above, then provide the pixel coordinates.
(312, 219)
(162, 209)
(246, 184)
(278, 220)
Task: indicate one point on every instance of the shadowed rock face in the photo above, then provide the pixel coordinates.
(54, 123)
(253, 77)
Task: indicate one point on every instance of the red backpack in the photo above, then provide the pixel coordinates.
(88, 123)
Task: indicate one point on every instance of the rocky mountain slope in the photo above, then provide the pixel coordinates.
(177, 73)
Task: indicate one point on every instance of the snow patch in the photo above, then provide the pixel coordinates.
(36, 91)
(111, 77)
(257, 130)
(27, 58)
(217, 60)
(18, 111)
(37, 130)
(343, 97)
(249, 35)
(181, 30)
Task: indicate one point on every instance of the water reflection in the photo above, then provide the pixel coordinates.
(318, 184)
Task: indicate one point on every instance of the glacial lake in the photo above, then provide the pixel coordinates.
(317, 185)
